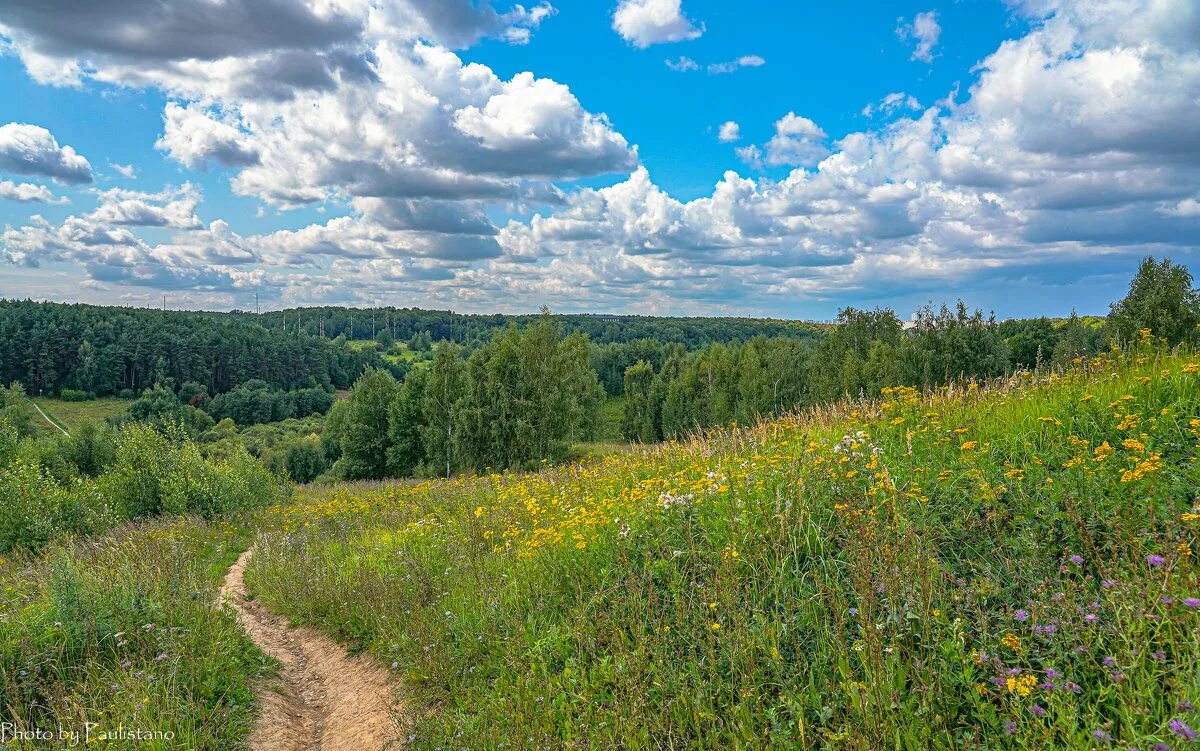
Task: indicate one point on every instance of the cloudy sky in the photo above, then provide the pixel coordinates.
(646, 156)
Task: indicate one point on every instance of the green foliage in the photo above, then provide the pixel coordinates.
(360, 426)
(406, 425)
(15, 409)
(121, 631)
(305, 460)
(1001, 567)
(255, 403)
(75, 395)
(159, 407)
(1161, 298)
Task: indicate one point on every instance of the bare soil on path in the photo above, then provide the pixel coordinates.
(327, 700)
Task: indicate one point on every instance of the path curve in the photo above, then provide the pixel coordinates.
(328, 700)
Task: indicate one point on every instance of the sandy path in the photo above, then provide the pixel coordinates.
(329, 701)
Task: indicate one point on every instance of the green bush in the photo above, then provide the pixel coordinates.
(76, 395)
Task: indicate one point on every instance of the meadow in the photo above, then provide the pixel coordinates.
(997, 566)
(983, 566)
(71, 415)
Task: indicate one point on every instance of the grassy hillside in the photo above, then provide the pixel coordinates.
(1000, 567)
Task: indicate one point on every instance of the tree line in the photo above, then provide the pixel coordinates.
(102, 351)
(868, 351)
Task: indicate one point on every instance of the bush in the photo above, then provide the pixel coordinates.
(305, 460)
(76, 395)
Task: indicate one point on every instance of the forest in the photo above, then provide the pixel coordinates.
(473, 394)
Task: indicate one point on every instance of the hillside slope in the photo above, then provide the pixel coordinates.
(1000, 567)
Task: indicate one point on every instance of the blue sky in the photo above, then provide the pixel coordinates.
(478, 157)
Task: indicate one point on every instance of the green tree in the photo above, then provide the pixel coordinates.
(362, 428)
(406, 423)
(1161, 298)
(439, 405)
(637, 420)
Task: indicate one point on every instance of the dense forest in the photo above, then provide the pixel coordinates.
(103, 351)
(480, 393)
(49, 347)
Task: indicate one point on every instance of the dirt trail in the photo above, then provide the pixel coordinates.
(329, 701)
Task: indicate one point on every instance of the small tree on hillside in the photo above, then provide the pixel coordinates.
(1161, 298)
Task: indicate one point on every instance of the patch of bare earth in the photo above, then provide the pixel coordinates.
(327, 700)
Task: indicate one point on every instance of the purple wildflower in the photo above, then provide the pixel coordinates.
(1155, 560)
(1091, 618)
(1159, 656)
(1021, 615)
(1184, 705)
(1076, 559)
(1037, 711)
(1107, 583)
(1101, 735)
(853, 611)
(1181, 729)
(1051, 672)
(1191, 602)
(1010, 727)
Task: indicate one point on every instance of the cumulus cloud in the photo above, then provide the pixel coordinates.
(124, 170)
(797, 141)
(28, 193)
(32, 150)
(924, 32)
(1073, 152)
(172, 207)
(729, 132)
(192, 136)
(646, 22)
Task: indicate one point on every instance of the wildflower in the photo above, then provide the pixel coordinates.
(1091, 618)
(1012, 641)
(1010, 727)
(968, 445)
(1102, 736)
(1107, 583)
(1021, 615)
(1037, 711)
(1155, 560)
(1076, 559)
(1181, 729)
(715, 626)
(1191, 602)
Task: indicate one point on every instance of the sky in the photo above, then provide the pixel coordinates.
(685, 157)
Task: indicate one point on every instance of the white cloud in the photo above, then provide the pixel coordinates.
(28, 193)
(683, 64)
(646, 22)
(895, 102)
(125, 170)
(729, 132)
(745, 61)
(1188, 207)
(172, 207)
(32, 150)
(193, 137)
(924, 31)
(1073, 152)
(797, 141)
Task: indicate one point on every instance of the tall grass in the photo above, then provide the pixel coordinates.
(119, 633)
(999, 567)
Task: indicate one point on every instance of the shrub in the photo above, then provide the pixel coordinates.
(76, 395)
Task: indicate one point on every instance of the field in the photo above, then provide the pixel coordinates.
(995, 567)
(70, 415)
(999, 566)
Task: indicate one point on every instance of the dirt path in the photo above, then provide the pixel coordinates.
(329, 701)
(43, 414)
